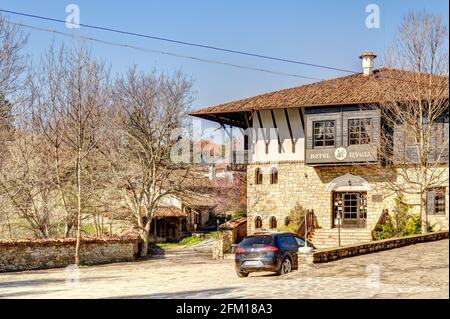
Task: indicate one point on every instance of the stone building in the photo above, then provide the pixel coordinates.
(314, 145)
(235, 230)
(180, 215)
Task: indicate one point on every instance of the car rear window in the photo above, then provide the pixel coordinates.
(256, 241)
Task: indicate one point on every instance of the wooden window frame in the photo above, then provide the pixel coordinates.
(324, 140)
(439, 194)
(273, 223)
(258, 222)
(360, 211)
(273, 176)
(258, 176)
(368, 131)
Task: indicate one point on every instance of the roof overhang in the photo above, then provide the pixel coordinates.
(236, 119)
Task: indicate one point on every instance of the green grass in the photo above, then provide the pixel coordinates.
(213, 234)
(88, 229)
(188, 241)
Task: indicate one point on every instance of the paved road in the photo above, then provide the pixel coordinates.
(418, 271)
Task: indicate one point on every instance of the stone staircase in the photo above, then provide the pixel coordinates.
(327, 238)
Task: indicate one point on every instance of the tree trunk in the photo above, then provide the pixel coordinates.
(77, 247)
(96, 225)
(67, 230)
(145, 236)
(9, 227)
(423, 213)
(145, 242)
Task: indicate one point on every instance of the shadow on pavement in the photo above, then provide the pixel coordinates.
(207, 293)
(25, 293)
(40, 282)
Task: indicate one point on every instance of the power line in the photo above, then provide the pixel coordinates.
(204, 46)
(88, 38)
(189, 44)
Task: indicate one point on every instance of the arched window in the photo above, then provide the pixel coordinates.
(272, 222)
(273, 176)
(258, 222)
(258, 176)
(287, 221)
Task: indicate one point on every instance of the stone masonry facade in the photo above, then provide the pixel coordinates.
(306, 186)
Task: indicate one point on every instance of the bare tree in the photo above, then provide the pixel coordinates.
(71, 98)
(420, 45)
(149, 109)
(12, 64)
(6, 124)
(414, 140)
(26, 184)
(12, 68)
(229, 193)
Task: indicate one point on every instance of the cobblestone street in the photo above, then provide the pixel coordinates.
(417, 271)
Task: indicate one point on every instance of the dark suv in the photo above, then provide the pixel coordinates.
(268, 251)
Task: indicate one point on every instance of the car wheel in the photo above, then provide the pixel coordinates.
(241, 274)
(286, 266)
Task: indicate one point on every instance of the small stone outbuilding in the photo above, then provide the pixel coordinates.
(235, 229)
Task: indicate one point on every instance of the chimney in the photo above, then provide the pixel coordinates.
(367, 58)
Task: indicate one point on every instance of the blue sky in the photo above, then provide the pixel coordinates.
(323, 32)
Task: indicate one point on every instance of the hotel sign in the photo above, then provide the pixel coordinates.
(340, 154)
(350, 154)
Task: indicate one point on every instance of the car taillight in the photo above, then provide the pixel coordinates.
(240, 250)
(269, 248)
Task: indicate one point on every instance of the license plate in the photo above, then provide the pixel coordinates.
(252, 263)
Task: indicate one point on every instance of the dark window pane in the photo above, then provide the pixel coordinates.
(290, 240)
(300, 242)
(256, 241)
(436, 201)
(359, 131)
(324, 133)
(352, 206)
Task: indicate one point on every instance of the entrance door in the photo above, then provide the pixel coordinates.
(352, 207)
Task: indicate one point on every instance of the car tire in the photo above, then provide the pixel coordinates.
(285, 267)
(242, 274)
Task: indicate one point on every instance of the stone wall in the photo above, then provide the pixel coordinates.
(238, 232)
(306, 185)
(221, 246)
(53, 253)
(331, 254)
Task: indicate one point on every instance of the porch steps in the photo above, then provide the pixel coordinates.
(327, 238)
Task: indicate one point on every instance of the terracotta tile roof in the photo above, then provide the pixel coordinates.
(233, 223)
(352, 89)
(193, 199)
(169, 211)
